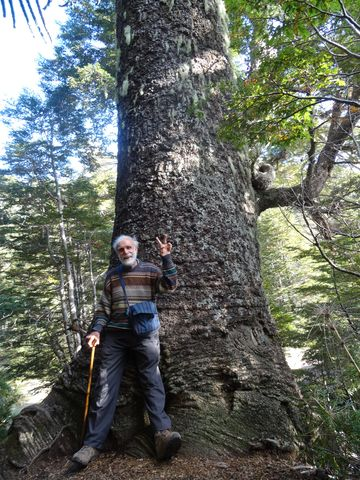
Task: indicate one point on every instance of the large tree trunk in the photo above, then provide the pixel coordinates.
(227, 381)
(228, 385)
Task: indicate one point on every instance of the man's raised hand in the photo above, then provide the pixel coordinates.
(164, 246)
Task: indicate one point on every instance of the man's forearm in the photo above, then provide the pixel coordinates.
(168, 281)
(99, 323)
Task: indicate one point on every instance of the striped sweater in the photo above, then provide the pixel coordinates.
(142, 282)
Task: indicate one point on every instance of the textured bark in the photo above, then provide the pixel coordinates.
(227, 381)
(228, 385)
(52, 425)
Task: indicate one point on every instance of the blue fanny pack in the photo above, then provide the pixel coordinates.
(143, 316)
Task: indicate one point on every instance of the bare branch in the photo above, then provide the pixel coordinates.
(294, 226)
(350, 20)
(25, 14)
(346, 313)
(3, 8)
(22, 6)
(345, 15)
(42, 20)
(326, 98)
(333, 327)
(323, 254)
(336, 44)
(12, 12)
(346, 235)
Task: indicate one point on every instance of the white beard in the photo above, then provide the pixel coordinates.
(129, 262)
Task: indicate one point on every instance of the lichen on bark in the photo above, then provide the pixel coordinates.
(176, 176)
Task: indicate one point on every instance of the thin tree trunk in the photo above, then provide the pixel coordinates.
(80, 287)
(65, 316)
(55, 343)
(62, 297)
(91, 272)
(67, 262)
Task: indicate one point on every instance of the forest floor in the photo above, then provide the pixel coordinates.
(111, 466)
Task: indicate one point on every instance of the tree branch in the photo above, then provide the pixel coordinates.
(280, 197)
(323, 254)
(319, 170)
(326, 98)
(334, 329)
(345, 15)
(335, 44)
(350, 20)
(346, 313)
(5, 317)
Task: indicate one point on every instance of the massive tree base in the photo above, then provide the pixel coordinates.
(208, 428)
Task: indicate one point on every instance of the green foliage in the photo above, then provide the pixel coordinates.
(33, 328)
(80, 81)
(288, 71)
(336, 444)
(285, 252)
(55, 222)
(317, 308)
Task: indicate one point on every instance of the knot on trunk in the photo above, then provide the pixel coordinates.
(263, 176)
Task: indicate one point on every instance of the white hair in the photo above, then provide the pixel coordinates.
(124, 237)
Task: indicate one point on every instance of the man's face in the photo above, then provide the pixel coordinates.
(127, 252)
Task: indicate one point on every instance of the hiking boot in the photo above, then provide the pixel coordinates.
(85, 455)
(167, 444)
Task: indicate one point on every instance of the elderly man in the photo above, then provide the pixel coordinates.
(128, 288)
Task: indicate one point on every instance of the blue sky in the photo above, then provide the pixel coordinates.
(20, 49)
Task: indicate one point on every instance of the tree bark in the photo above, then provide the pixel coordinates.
(72, 346)
(223, 366)
(91, 272)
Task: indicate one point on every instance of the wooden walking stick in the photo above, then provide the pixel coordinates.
(87, 399)
(74, 466)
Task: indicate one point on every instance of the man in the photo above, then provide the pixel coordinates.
(132, 283)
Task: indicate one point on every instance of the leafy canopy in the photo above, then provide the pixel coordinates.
(295, 57)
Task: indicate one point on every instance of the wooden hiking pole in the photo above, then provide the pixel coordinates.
(87, 399)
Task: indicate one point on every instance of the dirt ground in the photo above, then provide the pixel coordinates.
(120, 467)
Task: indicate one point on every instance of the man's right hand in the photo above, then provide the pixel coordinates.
(93, 339)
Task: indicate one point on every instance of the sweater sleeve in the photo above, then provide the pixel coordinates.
(103, 307)
(167, 282)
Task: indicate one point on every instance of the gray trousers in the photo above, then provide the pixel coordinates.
(115, 348)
